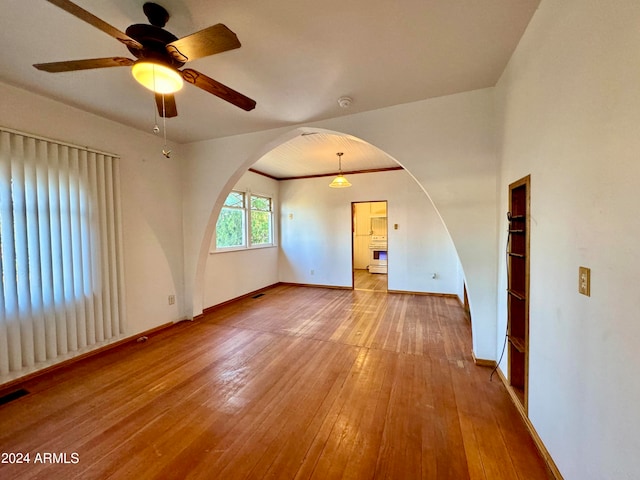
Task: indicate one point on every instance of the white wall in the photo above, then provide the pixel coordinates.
(570, 116)
(447, 144)
(150, 192)
(232, 274)
(318, 237)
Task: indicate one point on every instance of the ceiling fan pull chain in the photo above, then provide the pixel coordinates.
(156, 128)
(165, 151)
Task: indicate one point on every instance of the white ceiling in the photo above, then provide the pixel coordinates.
(297, 58)
(315, 153)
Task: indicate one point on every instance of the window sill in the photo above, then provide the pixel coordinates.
(242, 249)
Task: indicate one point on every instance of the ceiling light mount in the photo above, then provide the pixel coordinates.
(156, 14)
(345, 102)
(340, 181)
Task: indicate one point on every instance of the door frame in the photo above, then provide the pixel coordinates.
(353, 231)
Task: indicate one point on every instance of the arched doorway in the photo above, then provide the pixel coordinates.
(319, 220)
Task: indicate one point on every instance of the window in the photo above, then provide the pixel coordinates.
(245, 216)
(231, 226)
(261, 220)
(60, 253)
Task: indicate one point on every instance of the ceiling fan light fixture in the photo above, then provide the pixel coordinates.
(157, 77)
(340, 181)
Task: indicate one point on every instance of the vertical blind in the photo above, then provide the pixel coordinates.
(60, 251)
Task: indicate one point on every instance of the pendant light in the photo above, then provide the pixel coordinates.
(340, 181)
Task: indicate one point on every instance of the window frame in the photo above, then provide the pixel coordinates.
(250, 211)
(242, 209)
(247, 211)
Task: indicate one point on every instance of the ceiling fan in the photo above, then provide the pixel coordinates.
(159, 55)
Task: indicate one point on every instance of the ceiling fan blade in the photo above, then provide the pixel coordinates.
(91, 19)
(169, 108)
(218, 89)
(72, 65)
(215, 39)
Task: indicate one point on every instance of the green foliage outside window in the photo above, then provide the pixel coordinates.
(231, 225)
(230, 228)
(260, 220)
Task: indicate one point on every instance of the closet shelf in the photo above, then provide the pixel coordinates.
(518, 343)
(518, 295)
(518, 289)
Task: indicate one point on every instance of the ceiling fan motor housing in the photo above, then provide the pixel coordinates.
(154, 40)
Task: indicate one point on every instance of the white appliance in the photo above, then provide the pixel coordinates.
(378, 254)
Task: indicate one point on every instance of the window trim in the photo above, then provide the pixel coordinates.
(245, 230)
(248, 245)
(250, 210)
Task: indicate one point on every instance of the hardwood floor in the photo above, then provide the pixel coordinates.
(363, 280)
(298, 383)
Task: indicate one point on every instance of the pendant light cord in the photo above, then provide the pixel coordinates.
(506, 328)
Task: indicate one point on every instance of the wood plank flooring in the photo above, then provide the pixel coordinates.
(363, 280)
(298, 383)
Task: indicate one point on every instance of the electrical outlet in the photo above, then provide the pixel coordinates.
(172, 299)
(584, 281)
(312, 272)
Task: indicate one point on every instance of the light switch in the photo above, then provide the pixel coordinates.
(584, 281)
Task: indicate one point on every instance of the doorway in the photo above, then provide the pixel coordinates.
(370, 248)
